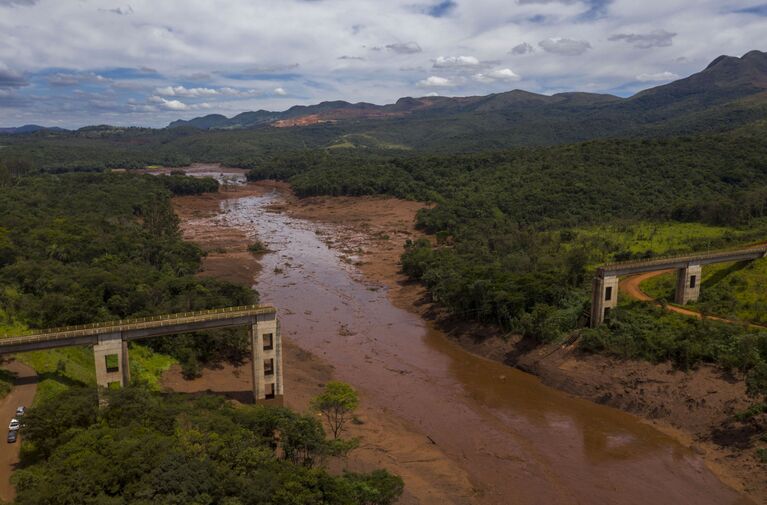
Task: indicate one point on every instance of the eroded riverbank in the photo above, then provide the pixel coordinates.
(516, 440)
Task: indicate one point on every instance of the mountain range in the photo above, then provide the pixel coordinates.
(28, 128)
(730, 91)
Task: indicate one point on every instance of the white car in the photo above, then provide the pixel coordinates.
(15, 424)
(20, 411)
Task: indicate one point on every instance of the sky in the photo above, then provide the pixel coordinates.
(72, 63)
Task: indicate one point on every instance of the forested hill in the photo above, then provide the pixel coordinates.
(728, 92)
(731, 93)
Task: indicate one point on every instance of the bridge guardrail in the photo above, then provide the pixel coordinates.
(691, 257)
(30, 336)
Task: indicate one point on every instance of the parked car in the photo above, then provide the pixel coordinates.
(12, 435)
(20, 410)
(15, 424)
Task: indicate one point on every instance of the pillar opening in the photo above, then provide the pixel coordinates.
(692, 281)
(269, 367)
(112, 363)
(268, 341)
(269, 392)
(608, 293)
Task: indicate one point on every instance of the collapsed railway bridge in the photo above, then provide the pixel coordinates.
(110, 342)
(689, 268)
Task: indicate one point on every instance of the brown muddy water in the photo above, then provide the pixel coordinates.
(520, 441)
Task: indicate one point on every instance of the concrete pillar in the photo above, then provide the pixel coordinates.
(604, 297)
(266, 359)
(111, 359)
(688, 284)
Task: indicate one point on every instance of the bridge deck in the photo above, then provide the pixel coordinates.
(676, 262)
(132, 329)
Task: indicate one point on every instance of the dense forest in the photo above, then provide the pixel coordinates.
(516, 233)
(165, 449)
(80, 248)
(76, 248)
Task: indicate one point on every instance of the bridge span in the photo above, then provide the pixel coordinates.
(110, 342)
(689, 268)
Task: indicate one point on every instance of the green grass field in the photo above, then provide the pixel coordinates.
(734, 290)
(624, 241)
(148, 366)
(60, 368)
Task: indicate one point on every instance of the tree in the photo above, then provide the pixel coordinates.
(337, 404)
(5, 175)
(376, 488)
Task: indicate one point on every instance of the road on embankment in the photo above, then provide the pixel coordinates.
(22, 393)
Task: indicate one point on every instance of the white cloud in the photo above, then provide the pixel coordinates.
(435, 81)
(455, 61)
(499, 74)
(185, 92)
(204, 51)
(280, 91)
(657, 77)
(169, 104)
(174, 105)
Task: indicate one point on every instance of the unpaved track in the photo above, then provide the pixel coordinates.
(23, 393)
(631, 286)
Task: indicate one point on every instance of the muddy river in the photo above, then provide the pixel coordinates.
(520, 441)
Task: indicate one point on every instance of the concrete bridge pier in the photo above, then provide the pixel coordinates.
(604, 298)
(266, 358)
(688, 284)
(111, 358)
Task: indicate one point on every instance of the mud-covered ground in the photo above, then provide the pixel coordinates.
(369, 233)
(695, 407)
(387, 441)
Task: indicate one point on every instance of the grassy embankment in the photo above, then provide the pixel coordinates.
(60, 369)
(733, 290)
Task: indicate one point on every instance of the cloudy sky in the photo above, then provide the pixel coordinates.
(146, 62)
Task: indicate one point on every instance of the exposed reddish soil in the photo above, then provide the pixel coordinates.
(690, 406)
(300, 121)
(23, 393)
(227, 257)
(387, 442)
(696, 407)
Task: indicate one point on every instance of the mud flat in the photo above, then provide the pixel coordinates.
(457, 427)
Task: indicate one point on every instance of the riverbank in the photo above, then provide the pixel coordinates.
(695, 407)
(387, 442)
(494, 452)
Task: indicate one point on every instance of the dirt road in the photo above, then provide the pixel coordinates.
(631, 286)
(23, 393)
